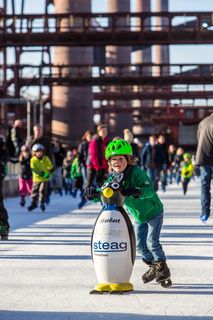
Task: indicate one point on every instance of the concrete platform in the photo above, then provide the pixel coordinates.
(46, 271)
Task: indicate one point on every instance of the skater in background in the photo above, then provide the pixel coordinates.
(178, 159)
(171, 163)
(4, 223)
(128, 136)
(25, 178)
(96, 162)
(83, 153)
(56, 182)
(163, 160)
(77, 179)
(15, 141)
(151, 160)
(204, 159)
(42, 168)
(187, 170)
(143, 203)
(66, 169)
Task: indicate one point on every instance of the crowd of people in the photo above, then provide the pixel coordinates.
(46, 167)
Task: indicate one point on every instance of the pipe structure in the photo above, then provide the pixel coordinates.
(141, 54)
(115, 55)
(72, 112)
(161, 52)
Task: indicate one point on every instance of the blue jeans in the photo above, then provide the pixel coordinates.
(206, 174)
(147, 239)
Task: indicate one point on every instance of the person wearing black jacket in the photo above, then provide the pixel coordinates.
(152, 160)
(4, 224)
(83, 153)
(204, 159)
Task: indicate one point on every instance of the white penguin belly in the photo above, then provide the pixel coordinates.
(111, 248)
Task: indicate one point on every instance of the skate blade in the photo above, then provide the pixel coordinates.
(166, 283)
(99, 292)
(108, 292)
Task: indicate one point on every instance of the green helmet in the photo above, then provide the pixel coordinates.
(117, 148)
(187, 156)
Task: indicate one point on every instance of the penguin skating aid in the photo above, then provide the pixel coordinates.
(113, 242)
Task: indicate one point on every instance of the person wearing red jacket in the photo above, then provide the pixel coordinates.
(96, 163)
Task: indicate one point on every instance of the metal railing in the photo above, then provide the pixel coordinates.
(95, 28)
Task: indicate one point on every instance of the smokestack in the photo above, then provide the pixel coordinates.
(72, 106)
(142, 54)
(119, 55)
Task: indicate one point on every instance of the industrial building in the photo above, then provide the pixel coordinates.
(112, 67)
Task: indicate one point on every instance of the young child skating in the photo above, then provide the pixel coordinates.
(25, 178)
(66, 168)
(42, 168)
(187, 169)
(146, 209)
(77, 179)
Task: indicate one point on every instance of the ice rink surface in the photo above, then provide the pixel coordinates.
(46, 271)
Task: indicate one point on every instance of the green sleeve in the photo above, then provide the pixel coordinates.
(143, 182)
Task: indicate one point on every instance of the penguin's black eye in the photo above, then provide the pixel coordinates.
(115, 185)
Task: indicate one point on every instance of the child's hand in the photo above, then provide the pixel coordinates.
(46, 175)
(90, 193)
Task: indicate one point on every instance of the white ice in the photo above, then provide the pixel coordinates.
(46, 271)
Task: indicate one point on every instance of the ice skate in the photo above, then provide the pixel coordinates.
(82, 203)
(163, 274)
(42, 206)
(22, 202)
(150, 274)
(32, 206)
(204, 217)
(4, 231)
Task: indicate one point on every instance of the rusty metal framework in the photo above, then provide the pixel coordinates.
(143, 82)
(108, 74)
(122, 28)
(15, 80)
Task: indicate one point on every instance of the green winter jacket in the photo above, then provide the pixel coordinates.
(148, 205)
(39, 167)
(75, 169)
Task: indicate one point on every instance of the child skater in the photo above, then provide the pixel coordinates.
(66, 167)
(187, 170)
(146, 209)
(25, 179)
(42, 168)
(77, 178)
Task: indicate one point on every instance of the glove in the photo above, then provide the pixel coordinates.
(46, 175)
(90, 193)
(136, 193)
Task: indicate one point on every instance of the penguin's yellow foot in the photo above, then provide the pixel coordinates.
(112, 288)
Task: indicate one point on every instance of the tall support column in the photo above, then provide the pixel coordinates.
(119, 55)
(161, 52)
(141, 54)
(72, 106)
